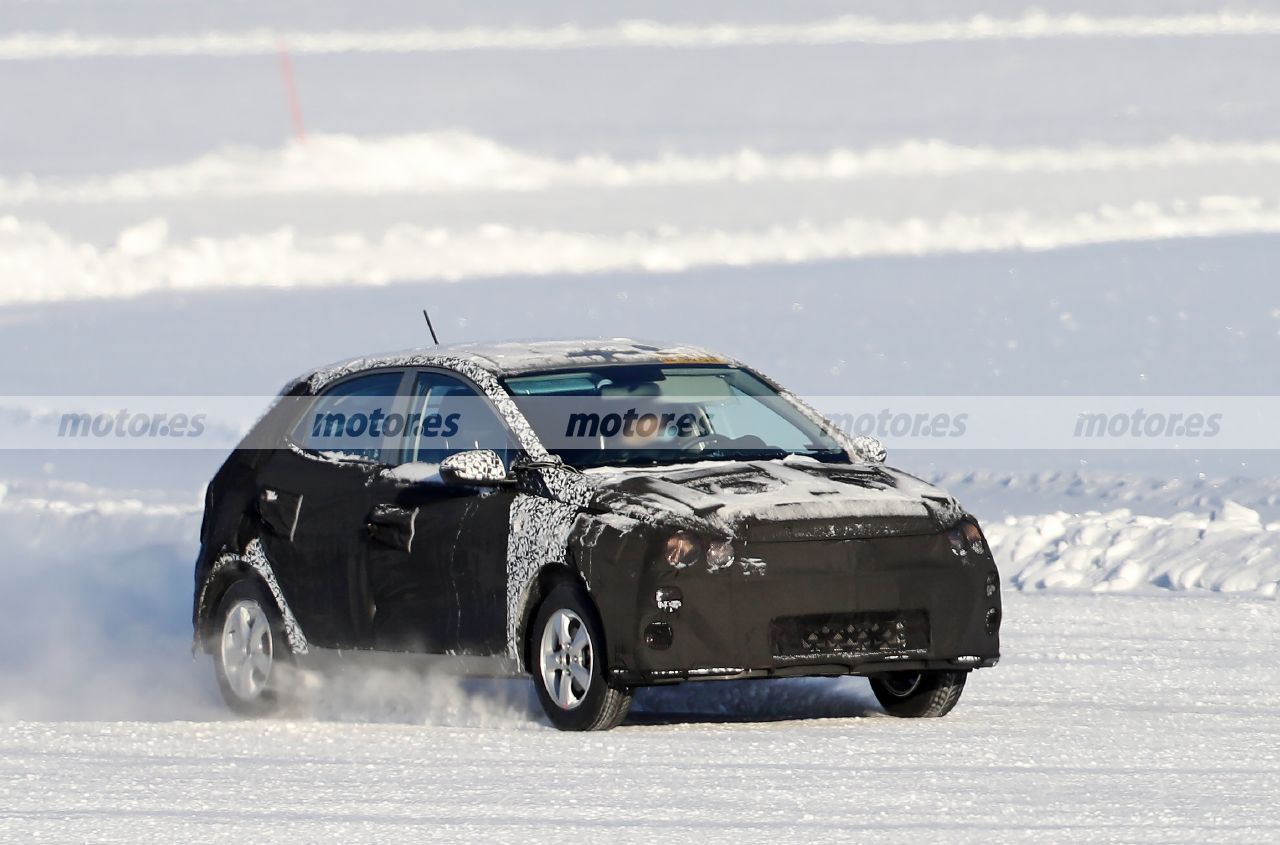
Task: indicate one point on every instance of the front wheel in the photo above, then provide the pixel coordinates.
(918, 695)
(567, 653)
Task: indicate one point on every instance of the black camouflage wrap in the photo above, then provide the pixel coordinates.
(835, 568)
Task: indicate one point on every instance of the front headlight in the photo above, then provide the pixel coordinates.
(719, 554)
(682, 549)
(967, 537)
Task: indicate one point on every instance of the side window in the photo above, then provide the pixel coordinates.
(349, 418)
(448, 415)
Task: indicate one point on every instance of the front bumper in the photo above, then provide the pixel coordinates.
(815, 607)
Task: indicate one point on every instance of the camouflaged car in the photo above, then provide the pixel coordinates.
(599, 515)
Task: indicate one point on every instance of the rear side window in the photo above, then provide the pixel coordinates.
(348, 419)
(448, 415)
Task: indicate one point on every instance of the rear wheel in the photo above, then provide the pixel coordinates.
(567, 653)
(251, 660)
(918, 695)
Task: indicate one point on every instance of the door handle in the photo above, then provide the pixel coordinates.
(392, 526)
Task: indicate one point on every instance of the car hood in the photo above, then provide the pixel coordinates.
(791, 499)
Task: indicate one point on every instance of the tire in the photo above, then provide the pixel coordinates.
(251, 658)
(566, 656)
(918, 695)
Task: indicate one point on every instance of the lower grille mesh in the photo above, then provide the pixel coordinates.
(869, 633)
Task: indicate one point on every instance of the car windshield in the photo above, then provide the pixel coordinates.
(645, 415)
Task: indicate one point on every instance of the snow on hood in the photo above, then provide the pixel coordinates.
(729, 494)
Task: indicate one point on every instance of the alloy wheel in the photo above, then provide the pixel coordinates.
(246, 649)
(566, 658)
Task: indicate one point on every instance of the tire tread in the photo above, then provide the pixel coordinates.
(937, 695)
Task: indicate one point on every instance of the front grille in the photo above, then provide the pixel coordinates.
(865, 634)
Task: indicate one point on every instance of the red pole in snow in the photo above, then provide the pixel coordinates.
(291, 91)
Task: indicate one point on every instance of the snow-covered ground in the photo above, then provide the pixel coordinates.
(1113, 719)
(917, 198)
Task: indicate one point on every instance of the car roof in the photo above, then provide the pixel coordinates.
(507, 358)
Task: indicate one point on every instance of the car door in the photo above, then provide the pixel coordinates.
(313, 500)
(437, 554)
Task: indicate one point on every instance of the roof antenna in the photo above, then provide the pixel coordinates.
(430, 328)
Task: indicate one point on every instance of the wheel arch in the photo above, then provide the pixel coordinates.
(227, 570)
(548, 578)
(230, 568)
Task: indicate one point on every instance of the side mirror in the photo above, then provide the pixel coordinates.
(474, 468)
(869, 449)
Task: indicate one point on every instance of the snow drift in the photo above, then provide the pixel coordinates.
(1032, 25)
(451, 161)
(1229, 550)
(144, 258)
